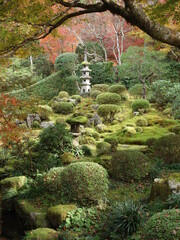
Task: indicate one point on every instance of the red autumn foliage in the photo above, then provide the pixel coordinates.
(10, 132)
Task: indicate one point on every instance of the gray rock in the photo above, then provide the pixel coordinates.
(73, 101)
(95, 107)
(100, 128)
(46, 124)
(94, 121)
(31, 118)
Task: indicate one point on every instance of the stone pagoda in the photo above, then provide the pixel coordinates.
(85, 85)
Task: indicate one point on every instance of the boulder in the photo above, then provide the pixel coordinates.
(31, 215)
(12, 183)
(42, 234)
(58, 214)
(32, 118)
(46, 124)
(163, 187)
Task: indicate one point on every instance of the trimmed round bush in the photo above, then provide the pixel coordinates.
(66, 62)
(141, 122)
(167, 148)
(100, 87)
(108, 111)
(84, 182)
(77, 98)
(164, 225)
(117, 88)
(63, 94)
(95, 93)
(108, 98)
(140, 104)
(63, 108)
(129, 165)
(103, 148)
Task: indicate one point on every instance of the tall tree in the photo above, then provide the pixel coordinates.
(24, 21)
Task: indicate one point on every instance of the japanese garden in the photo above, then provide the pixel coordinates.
(89, 120)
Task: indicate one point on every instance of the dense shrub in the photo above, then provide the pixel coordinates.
(100, 87)
(137, 90)
(167, 148)
(173, 201)
(164, 225)
(86, 150)
(53, 141)
(108, 111)
(103, 148)
(140, 104)
(88, 220)
(176, 107)
(117, 88)
(63, 107)
(95, 93)
(102, 72)
(66, 62)
(84, 182)
(165, 91)
(126, 218)
(48, 87)
(108, 98)
(63, 94)
(129, 165)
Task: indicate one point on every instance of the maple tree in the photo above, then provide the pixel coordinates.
(10, 132)
(24, 21)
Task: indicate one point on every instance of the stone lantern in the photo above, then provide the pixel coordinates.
(85, 85)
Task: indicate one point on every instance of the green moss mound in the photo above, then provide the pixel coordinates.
(84, 182)
(129, 165)
(47, 88)
(63, 94)
(168, 148)
(63, 108)
(42, 234)
(117, 88)
(163, 226)
(108, 98)
(141, 122)
(140, 104)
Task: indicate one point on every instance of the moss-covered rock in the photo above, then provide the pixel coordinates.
(58, 214)
(67, 158)
(162, 188)
(31, 215)
(12, 183)
(75, 122)
(42, 234)
(44, 112)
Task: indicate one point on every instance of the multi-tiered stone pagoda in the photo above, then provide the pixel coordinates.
(85, 85)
